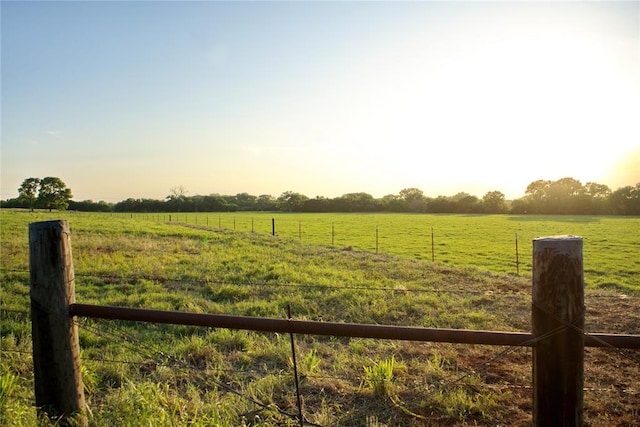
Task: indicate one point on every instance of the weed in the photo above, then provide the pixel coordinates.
(310, 363)
(379, 377)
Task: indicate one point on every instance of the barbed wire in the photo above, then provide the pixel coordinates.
(443, 384)
(177, 363)
(351, 379)
(564, 325)
(167, 280)
(149, 351)
(596, 293)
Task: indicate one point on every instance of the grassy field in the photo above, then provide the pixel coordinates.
(145, 374)
(611, 244)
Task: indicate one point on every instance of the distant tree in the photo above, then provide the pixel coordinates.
(392, 203)
(354, 202)
(177, 198)
(597, 197)
(178, 192)
(536, 194)
(89, 206)
(564, 196)
(494, 202)
(266, 202)
(246, 201)
(468, 204)
(521, 206)
(290, 201)
(414, 199)
(597, 191)
(53, 194)
(626, 200)
(28, 192)
(214, 203)
(318, 204)
(442, 204)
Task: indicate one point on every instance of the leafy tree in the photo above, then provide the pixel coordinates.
(494, 202)
(355, 202)
(216, 203)
(266, 202)
(564, 196)
(54, 194)
(597, 191)
(535, 194)
(626, 200)
(318, 204)
(468, 204)
(291, 201)
(28, 192)
(245, 201)
(414, 199)
(442, 204)
(392, 203)
(597, 198)
(89, 206)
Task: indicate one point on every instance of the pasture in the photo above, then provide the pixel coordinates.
(145, 374)
(487, 242)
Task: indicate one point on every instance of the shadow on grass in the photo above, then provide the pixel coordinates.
(582, 219)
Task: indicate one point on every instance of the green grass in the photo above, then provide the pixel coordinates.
(488, 242)
(151, 374)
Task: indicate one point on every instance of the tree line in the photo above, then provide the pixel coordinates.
(563, 196)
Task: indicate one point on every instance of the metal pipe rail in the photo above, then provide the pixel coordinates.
(406, 333)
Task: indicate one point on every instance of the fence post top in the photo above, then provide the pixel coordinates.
(569, 245)
(47, 222)
(550, 239)
(36, 228)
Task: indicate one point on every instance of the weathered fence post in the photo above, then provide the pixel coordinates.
(333, 234)
(433, 252)
(558, 324)
(58, 382)
(517, 257)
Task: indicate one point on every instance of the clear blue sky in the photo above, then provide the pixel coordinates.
(130, 99)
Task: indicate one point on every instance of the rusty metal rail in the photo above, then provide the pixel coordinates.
(406, 333)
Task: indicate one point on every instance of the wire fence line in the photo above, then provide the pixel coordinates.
(123, 278)
(159, 354)
(119, 278)
(195, 282)
(372, 240)
(160, 357)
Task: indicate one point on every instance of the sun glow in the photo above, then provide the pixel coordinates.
(544, 97)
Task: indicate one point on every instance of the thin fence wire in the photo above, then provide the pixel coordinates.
(162, 358)
(126, 278)
(174, 362)
(112, 278)
(445, 383)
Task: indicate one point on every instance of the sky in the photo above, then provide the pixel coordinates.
(133, 99)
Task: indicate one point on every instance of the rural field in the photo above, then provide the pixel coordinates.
(488, 242)
(444, 271)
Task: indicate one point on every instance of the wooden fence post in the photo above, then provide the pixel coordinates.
(56, 359)
(558, 324)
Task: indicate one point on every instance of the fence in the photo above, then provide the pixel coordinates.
(557, 337)
(457, 240)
